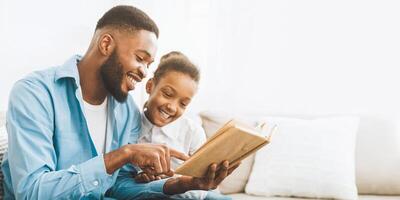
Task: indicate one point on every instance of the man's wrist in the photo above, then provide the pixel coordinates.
(116, 159)
(126, 153)
(178, 185)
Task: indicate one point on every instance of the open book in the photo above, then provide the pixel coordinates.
(233, 142)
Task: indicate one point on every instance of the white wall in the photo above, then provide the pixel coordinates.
(307, 57)
(280, 57)
(39, 34)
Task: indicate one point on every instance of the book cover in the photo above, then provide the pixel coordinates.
(234, 141)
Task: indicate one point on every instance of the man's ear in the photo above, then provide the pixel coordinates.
(149, 86)
(106, 44)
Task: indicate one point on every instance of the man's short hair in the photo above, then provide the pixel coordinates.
(127, 18)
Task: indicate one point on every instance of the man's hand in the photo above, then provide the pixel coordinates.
(153, 159)
(213, 178)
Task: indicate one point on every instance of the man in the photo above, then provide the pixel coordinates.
(73, 128)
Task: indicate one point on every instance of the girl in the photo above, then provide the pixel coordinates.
(170, 91)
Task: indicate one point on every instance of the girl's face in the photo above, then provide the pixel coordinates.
(169, 98)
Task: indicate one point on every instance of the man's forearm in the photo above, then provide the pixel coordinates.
(116, 159)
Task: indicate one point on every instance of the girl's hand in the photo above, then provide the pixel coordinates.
(143, 177)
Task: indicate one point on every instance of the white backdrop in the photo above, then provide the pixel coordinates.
(280, 57)
(307, 57)
(277, 57)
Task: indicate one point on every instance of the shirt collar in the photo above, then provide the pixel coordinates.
(146, 124)
(171, 130)
(69, 70)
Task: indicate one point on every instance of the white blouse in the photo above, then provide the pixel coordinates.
(182, 134)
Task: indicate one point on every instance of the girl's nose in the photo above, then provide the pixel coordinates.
(171, 108)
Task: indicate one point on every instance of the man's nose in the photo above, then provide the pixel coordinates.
(143, 70)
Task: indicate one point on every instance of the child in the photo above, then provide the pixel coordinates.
(170, 91)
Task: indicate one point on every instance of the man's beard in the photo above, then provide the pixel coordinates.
(112, 74)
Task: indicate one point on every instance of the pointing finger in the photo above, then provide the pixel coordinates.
(176, 154)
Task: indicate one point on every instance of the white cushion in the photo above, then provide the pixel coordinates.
(235, 182)
(3, 140)
(2, 118)
(3, 149)
(377, 197)
(242, 196)
(307, 158)
(378, 156)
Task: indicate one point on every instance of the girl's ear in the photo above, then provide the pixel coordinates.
(149, 85)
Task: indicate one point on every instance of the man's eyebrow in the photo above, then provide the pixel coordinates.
(147, 53)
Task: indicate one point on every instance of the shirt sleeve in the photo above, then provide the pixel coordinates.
(31, 154)
(198, 138)
(135, 122)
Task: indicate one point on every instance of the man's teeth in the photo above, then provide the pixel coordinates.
(131, 79)
(164, 115)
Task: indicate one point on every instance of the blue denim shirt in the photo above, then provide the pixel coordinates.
(51, 154)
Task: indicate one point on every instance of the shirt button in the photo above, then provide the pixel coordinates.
(95, 183)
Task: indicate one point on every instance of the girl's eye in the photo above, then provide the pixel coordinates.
(183, 105)
(139, 59)
(167, 94)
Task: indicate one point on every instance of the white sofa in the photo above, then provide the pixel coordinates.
(380, 185)
(3, 148)
(377, 162)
